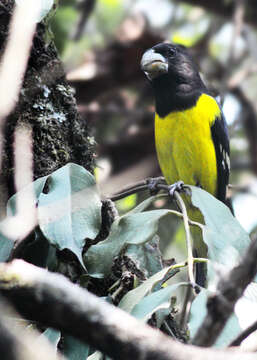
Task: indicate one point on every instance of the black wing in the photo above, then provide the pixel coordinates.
(220, 138)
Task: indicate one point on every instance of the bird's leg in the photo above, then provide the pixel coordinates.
(153, 182)
(177, 186)
(200, 271)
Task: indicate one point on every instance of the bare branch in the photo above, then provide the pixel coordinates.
(249, 121)
(56, 302)
(86, 7)
(190, 258)
(244, 334)
(16, 343)
(221, 305)
(226, 8)
(238, 26)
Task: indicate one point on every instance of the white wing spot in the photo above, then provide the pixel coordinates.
(228, 161)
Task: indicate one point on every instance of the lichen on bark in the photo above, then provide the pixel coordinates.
(48, 105)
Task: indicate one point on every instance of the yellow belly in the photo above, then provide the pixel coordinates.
(184, 145)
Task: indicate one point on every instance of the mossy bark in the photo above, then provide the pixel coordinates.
(47, 104)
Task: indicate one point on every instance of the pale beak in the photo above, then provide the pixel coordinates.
(154, 64)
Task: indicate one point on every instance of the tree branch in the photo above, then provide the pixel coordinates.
(54, 301)
(244, 334)
(221, 305)
(226, 8)
(249, 121)
(16, 343)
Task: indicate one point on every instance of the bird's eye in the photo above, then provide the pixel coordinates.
(171, 52)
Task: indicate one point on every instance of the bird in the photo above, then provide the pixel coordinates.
(191, 134)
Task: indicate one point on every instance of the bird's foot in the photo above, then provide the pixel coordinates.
(152, 184)
(177, 186)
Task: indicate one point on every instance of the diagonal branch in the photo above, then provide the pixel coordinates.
(249, 121)
(230, 288)
(54, 301)
(226, 8)
(17, 343)
(244, 334)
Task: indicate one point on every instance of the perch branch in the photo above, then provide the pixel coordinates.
(54, 301)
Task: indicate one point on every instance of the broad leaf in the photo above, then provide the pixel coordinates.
(227, 241)
(222, 233)
(37, 187)
(143, 205)
(197, 314)
(74, 349)
(158, 300)
(133, 297)
(71, 210)
(53, 336)
(132, 228)
(146, 258)
(6, 246)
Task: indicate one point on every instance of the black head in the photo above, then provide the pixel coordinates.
(174, 76)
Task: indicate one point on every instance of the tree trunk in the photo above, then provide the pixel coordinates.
(47, 104)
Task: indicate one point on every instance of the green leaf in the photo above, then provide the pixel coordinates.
(158, 300)
(74, 349)
(132, 228)
(197, 314)
(71, 210)
(227, 241)
(246, 311)
(53, 336)
(133, 297)
(37, 187)
(147, 257)
(222, 233)
(143, 205)
(6, 246)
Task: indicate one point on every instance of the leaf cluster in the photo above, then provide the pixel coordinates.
(128, 261)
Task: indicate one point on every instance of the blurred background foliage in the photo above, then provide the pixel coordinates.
(101, 43)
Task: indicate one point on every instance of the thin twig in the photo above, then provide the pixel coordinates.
(188, 299)
(85, 9)
(244, 334)
(168, 329)
(143, 185)
(136, 187)
(238, 25)
(190, 257)
(185, 263)
(128, 192)
(239, 188)
(186, 307)
(230, 288)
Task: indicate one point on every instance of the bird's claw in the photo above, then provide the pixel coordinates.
(177, 186)
(152, 184)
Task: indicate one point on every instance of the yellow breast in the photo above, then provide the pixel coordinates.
(184, 145)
